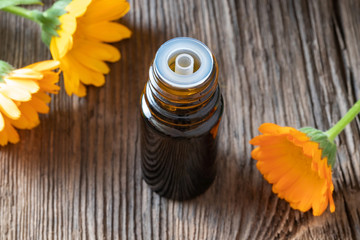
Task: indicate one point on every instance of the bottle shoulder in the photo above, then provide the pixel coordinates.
(179, 130)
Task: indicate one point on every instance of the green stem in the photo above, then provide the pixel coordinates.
(340, 125)
(22, 12)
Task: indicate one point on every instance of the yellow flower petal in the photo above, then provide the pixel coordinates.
(12, 134)
(54, 49)
(269, 128)
(3, 138)
(2, 123)
(290, 161)
(87, 75)
(29, 114)
(9, 108)
(92, 63)
(8, 134)
(107, 31)
(17, 94)
(106, 10)
(22, 98)
(21, 123)
(49, 87)
(60, 46)
(101, 51)
(81, 91)
(79, 46)
(25, 73)
(44, 65)
(71, 82)
(39, 105)
(31, 86)
(77, 7)
(43, 97)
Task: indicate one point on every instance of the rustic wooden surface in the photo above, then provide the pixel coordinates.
(77, 175)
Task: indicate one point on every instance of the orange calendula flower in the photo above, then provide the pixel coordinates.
(23, 94)
(298, 163)
(79, 43)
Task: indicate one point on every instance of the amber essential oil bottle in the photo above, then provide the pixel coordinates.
(181, 108)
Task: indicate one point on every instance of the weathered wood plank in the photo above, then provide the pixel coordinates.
(77, 175)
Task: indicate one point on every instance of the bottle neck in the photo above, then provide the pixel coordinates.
(182, 108)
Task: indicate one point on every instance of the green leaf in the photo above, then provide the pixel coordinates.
(5, 69)
(46, 38)
(47, 33)
(49, 20)
(51, 12)
(6, 3)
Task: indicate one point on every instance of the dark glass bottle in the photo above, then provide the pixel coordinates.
(181, 108)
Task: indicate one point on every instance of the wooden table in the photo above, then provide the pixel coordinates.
(77, 175)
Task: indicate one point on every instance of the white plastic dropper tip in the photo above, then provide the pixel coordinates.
(184, 64)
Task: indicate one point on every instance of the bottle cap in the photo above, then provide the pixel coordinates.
(196, 56)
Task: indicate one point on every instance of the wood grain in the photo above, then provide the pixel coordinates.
(78, 174)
